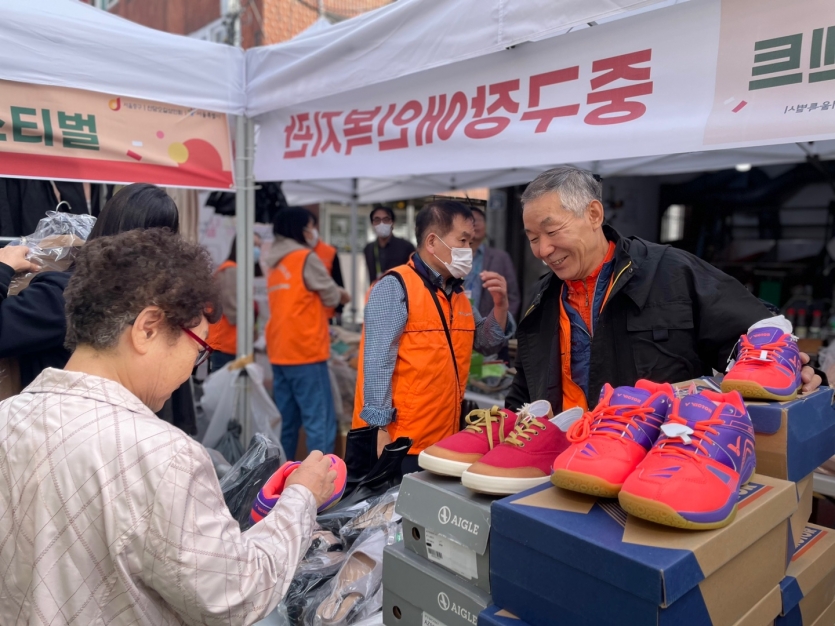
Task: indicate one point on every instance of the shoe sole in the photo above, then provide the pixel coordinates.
(444, 467)
(584, 483)
(661, 513)
(751, 390)
(498, 485)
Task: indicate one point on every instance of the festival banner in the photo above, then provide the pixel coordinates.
(59, 133)
(697, 76)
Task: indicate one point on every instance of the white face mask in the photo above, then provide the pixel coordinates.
(382, 230)
(462, 260)
(314, 237)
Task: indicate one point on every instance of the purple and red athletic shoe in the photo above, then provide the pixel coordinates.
(767, 368)
(692, 476)
(272, 489)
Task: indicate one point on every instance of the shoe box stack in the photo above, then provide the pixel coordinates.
(558, 556)
(440, 574)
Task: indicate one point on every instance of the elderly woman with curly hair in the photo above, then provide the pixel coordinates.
(109, 514)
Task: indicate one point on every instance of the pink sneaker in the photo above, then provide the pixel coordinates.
(523, 461)
(486, 429)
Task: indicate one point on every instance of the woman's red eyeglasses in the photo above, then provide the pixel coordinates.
(205, 349)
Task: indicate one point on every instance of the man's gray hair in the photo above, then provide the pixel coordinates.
(577, 188)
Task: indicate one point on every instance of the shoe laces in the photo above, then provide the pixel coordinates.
(748, 352)
(481, 419)
(524, 430)
(701, 432)
(606, 417)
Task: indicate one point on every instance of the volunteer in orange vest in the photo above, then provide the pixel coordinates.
(223, 336)
(409, 383)
(330, 258)
(298, 343)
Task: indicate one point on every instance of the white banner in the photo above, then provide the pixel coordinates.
(703, 75)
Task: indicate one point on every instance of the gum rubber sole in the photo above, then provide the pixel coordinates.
(584, 483)
(661, 513)
(751, 390)
(443, 467)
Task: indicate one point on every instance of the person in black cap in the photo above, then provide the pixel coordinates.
(387, 251)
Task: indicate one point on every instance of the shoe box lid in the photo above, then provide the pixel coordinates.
(792, 438)
(414, 585)
(555, 550)
(446, 507)
(809, 586)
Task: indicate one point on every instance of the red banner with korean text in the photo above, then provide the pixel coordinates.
(667, 81)
(69, 134)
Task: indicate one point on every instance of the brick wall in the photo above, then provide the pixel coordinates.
(263, 21)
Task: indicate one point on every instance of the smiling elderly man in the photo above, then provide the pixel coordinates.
(617, 309)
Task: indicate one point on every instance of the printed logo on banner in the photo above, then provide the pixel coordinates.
(775, 74)
(617, 93)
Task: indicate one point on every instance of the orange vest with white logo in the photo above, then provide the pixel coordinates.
(297, 331)
(223, 336)
(425, 390)
(327, 254)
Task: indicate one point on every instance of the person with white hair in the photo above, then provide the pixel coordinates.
(617, 309)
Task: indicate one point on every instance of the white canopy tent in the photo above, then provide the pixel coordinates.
(386, 189)
(68, 43)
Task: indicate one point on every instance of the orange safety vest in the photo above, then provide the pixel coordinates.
(327, 253)
(297, 331)
(223, 336)
(425, 391)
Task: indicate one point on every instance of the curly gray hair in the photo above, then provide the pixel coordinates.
(577, 188)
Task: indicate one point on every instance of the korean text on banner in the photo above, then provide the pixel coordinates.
(687, 78)
(62, 133)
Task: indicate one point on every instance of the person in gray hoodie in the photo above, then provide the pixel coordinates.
(300, 291)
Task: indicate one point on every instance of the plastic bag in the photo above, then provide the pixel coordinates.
(53, 245)
(221, 391)
(222, 466)
(354, 593)
(242, 483)
(230, 445)
(378, 514)
(312, 574)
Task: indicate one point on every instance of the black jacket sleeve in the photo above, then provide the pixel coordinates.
(33, 320)
(519, 393)
(336, 272)
(726, 309)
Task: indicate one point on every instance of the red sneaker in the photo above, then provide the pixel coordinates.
(767, 366)
(486, 428)
(692, 476)
(521, 462)
(609, 442)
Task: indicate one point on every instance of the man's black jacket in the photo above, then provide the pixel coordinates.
(670, 317)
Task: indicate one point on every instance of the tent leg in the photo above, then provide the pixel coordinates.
(244, 227)
(354, 244)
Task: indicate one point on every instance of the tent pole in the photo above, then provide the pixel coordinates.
(244, 228)
(354, 244)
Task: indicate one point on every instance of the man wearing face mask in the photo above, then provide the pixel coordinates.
(419, 333)
(387, 251)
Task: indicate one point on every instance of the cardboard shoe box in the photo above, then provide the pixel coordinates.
(792, 438)
(808, 590)
(447, 524)
(555, 552)
(418, 593)
(805, 500)
(762, 614)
